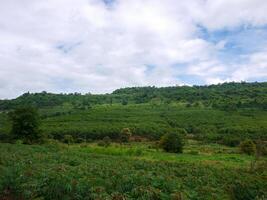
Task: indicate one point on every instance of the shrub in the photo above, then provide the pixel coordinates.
(68, 139)
(172, 142)
(125, 135)
(107, 141)
(248, 147)
(101, 143)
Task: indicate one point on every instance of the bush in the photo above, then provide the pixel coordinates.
(107, 141)
(101, 143)
(68, 139)
(172, 142)
(125, 135)
(248, 147)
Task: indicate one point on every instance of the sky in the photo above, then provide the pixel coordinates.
(98, 46)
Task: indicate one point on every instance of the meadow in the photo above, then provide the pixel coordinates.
(129, 171)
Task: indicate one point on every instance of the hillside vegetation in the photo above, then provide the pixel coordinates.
(229, 96)
(225, 113)
(147, 143)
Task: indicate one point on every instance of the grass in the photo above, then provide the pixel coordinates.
(130, 171)
(220, 155)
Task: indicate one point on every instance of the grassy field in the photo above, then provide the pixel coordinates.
(129, 171)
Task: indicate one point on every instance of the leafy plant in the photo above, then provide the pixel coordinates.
(68, 139)
(172, 142)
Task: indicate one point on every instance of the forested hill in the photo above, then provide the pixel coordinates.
(229, 96)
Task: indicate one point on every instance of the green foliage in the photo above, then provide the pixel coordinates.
(193, 152)
(80, 140)
(25, 124)
(125, 135)
(241, 190)
(248, 147)
(231, 140)
(107, 141)
(93, 172)
(225, 113)
(68, 139)
(124, 102)
(150, 112)
(261, 148)
(172, 142)
(227, 96)
(101, 143)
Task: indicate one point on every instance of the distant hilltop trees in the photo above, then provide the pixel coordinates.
(226, 96)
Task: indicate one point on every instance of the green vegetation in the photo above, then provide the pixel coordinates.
(227, 96)
(25, 124)
(172, 142)
(125, 135)
(68, 139)
(151, 112)
(248, 147)
(135, 171)
(108, 146)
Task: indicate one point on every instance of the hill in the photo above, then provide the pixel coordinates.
(208, 117)
(223, 96)
(225, 113)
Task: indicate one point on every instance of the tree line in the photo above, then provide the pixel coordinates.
(226, 96)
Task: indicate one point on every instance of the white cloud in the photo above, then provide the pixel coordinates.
(218, 14)
(86, 45)
(255, 68)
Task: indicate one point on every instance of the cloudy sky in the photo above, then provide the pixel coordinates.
(101, 45)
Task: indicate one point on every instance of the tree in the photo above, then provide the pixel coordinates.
(25, 124)
(172, 142)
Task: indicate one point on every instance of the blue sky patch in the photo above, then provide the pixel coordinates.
(67, 47)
